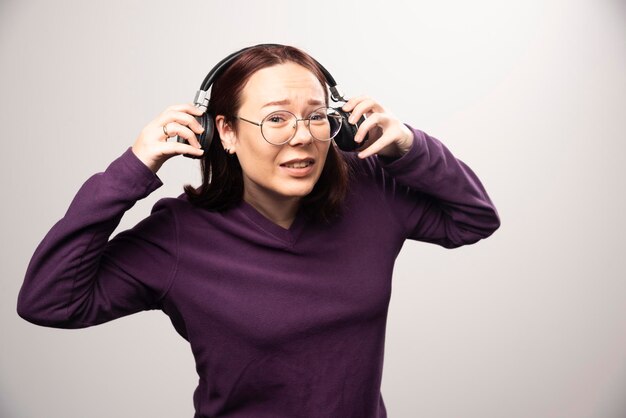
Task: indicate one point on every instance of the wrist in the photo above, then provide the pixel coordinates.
(146, 161)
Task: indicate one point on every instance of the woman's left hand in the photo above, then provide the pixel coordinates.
(387, 136)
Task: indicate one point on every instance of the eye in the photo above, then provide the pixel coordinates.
(275, 119)
(318, 116)
(278, 118)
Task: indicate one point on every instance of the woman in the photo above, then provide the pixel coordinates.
(278, 268)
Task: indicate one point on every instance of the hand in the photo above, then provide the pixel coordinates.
(387, 136)
(152, 146)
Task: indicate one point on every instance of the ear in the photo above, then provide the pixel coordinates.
(227, 135)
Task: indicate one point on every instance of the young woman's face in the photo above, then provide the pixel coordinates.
(265, 174)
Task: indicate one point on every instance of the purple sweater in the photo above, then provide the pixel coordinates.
(281, 322)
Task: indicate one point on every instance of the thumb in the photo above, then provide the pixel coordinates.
(173, 148)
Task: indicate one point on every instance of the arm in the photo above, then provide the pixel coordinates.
(431, 195)
(434, 196)
(77, 278)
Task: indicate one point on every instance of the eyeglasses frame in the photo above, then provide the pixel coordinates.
(295, 131)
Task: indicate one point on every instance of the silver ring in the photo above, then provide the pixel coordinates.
(165, 130)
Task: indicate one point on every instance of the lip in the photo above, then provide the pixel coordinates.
(297, 160)
(299, 172)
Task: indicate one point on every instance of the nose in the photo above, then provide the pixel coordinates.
(302, 135)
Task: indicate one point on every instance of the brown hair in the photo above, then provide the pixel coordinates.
(222, 178)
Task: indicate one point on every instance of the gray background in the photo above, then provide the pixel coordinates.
(531, 95)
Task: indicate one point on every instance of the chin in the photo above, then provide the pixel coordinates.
(298, 190)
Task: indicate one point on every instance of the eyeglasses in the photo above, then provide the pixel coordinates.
(281, 126)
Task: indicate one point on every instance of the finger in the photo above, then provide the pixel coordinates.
(182, 118)
(377, 119)
(349, 105)
(366, 107)
(174, 129)
(186, 107)
(173, 148)
(382, 142)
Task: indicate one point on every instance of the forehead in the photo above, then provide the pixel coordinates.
(283, 81)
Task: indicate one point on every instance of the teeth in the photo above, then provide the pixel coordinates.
(298, 165)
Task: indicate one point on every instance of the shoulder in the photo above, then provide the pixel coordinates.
(175, 205)
(364, 171)
(187, 215)
(359, 166)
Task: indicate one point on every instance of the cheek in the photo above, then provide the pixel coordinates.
(259, 162)
(260, 166)
(324, 149)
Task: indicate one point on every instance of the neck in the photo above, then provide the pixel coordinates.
(281, 211)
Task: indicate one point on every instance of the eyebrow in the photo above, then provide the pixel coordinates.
(286, 102)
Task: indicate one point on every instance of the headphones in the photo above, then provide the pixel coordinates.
(344, 139)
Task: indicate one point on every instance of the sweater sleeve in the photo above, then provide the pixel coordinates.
(433, 196)
(78, 278)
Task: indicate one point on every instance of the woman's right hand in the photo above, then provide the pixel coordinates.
(152, 146)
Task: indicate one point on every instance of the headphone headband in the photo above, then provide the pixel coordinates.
(202, 97)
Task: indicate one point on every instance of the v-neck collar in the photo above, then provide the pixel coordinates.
(287, 235)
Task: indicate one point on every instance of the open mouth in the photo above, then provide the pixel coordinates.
(300, 164)
(299, 168)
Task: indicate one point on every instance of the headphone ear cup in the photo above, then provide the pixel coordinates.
(206, 137)
(345, 138)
